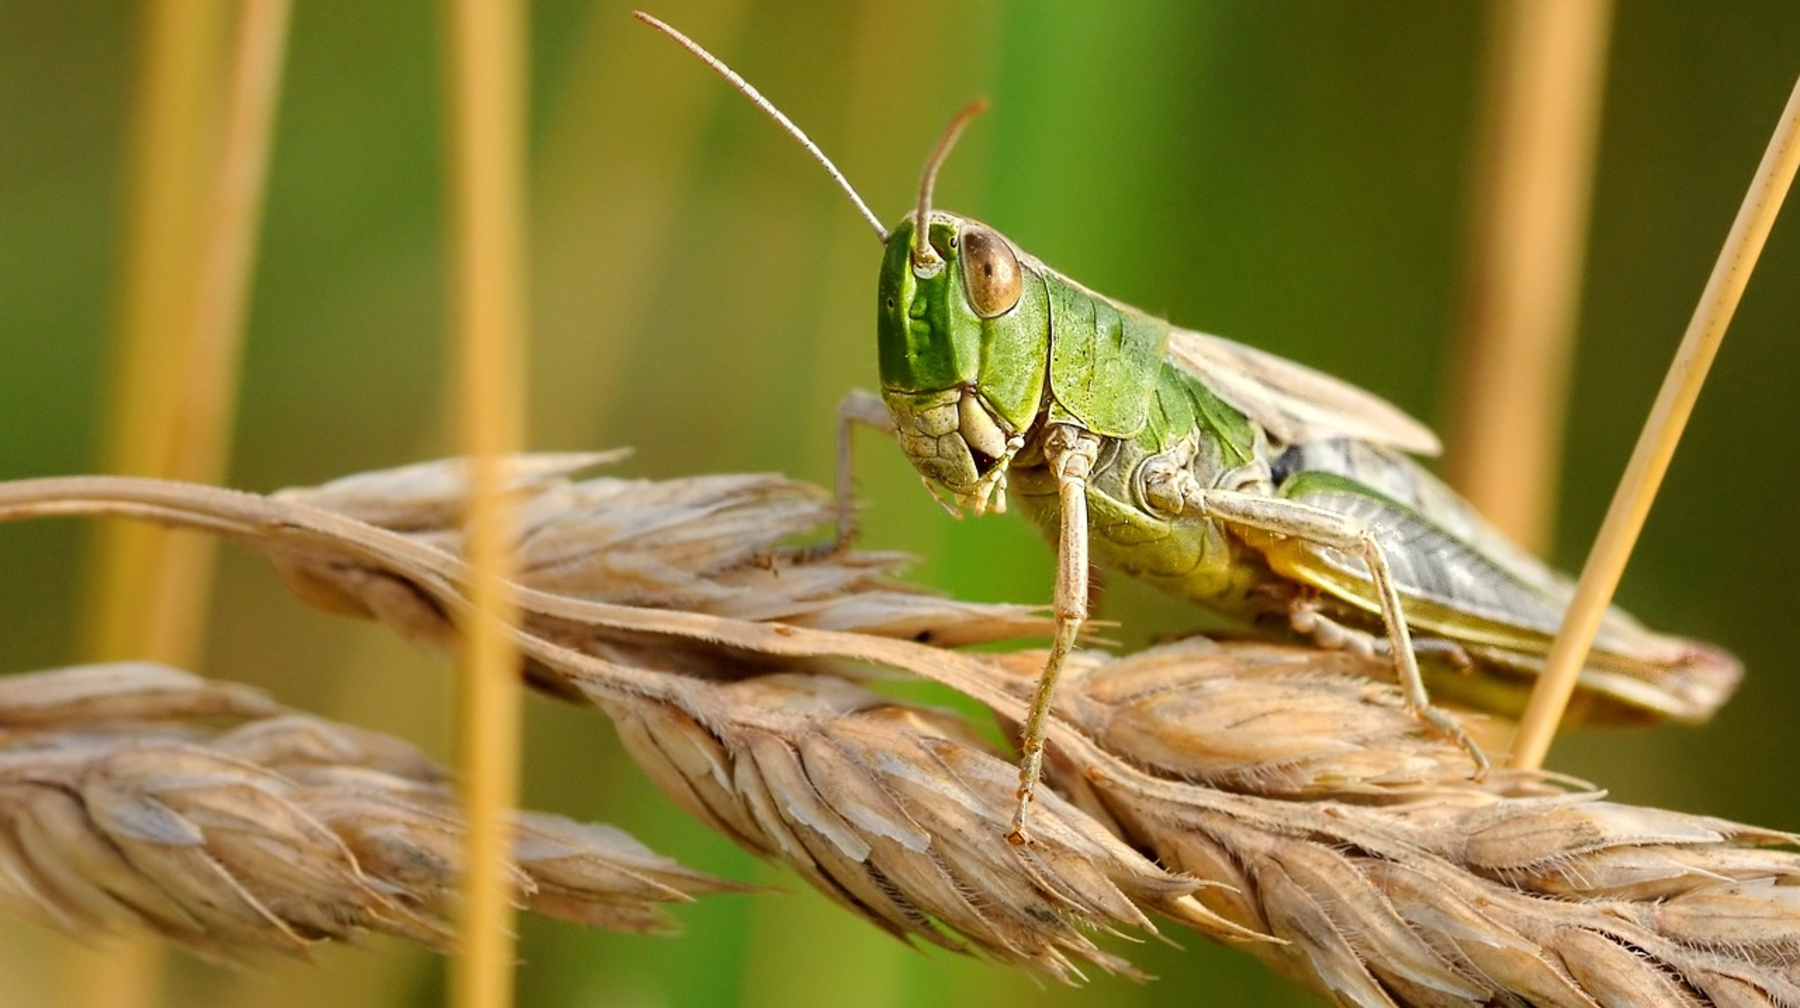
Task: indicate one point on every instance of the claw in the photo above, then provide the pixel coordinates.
(1448, 726)
(948, 504)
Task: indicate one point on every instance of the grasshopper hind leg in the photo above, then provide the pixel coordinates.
(1288, 519)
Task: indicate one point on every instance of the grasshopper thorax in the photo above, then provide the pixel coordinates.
(963, 336)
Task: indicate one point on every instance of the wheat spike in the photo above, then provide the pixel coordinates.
(1289, 803)
(123, 806)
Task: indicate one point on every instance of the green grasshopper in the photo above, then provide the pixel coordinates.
(1252, 485)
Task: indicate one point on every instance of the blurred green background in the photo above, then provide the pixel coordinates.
(1295, 175)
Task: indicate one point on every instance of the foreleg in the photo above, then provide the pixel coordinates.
(1070, 453)
(859, 406)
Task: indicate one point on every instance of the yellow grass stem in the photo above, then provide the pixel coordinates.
(195, 214)
(1521, 300)
(1656, 445)
(173, 132)
(233, 223)
(199, 174)
(486, 97)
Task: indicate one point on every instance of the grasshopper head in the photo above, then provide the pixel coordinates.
(964, 343)
(964, 322)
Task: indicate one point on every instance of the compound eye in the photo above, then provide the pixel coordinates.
(991, 278)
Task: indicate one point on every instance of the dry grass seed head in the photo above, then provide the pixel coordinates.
(731, 545)
(899, 814)
(1389, 877)
(130, 802)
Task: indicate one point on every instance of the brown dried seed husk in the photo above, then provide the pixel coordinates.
(1370, 899)
(1728, 989)
(601, 876)
(93, 696)
(296, 744)
(1578, 846)
(1464, 921)
(271, 835)
(899, 813)
(62, 873)
(433, 496)
(1758, 919)
(226, 840)
(1413, 885)
(1362, 915)
(1273, 720)
(1613, 973)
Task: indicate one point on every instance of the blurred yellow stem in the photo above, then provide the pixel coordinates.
(486, 52)
(1656, 445)
(197, 189)
(1547, 67)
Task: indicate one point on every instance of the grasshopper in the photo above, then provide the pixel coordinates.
(1249, 484)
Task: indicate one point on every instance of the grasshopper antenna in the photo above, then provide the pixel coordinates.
(768, 107)
(923, 256)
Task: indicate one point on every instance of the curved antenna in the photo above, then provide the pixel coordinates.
(774, 113)
(923, 255)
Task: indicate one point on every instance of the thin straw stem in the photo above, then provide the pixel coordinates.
(197, 213)
(1656, 445)
(486, 92)
(195, 216)
(228, 253)
(174, 132)
(1547, 69)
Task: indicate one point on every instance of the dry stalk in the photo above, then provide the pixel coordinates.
(137, 797)
(1289, 801)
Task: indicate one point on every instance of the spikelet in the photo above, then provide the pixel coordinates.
(727, 545)
(899, 814)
